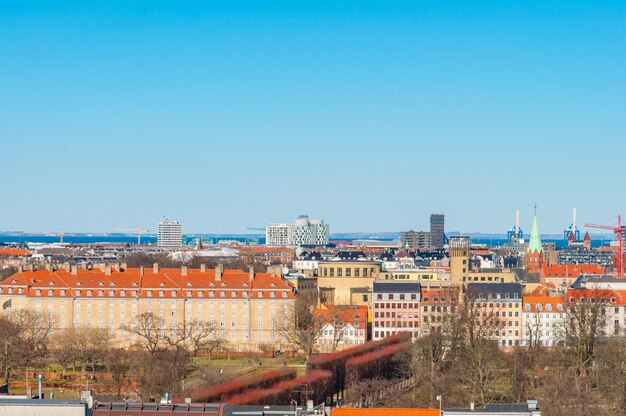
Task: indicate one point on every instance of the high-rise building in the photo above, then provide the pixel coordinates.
(303, 231)
(437, 230)
(170, 234)
(415, 239)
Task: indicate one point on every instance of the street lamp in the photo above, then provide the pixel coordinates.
(439, 399)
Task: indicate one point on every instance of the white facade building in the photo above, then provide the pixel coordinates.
(170, 234)
(543, 319)
(303, 231)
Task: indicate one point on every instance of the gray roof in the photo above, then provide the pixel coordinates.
(501, 408)
(494, 289)
(396, 287)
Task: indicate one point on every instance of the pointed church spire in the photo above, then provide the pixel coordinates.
(534, 244)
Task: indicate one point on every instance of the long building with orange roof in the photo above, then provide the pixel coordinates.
(563, 275)
(243, 305)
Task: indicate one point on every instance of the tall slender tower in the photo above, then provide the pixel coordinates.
(534, 254)
(437, 230)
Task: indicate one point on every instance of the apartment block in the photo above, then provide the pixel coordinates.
(396, 308)
(243, 305)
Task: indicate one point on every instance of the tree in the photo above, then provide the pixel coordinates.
(118, 363)
(63, 347)
(24, 337)
(198, 336)
(148, 330)
(585, 322)
(297, 327)
(91, 345)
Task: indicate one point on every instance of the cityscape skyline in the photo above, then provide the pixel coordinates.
(233, 115)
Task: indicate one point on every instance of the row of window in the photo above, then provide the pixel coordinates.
(161, 293)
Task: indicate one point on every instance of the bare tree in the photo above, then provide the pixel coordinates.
(63, 347)
(148, 331)
(118, 363)
(24, 338)
(198, 336)
(297, 327)
(91, 346)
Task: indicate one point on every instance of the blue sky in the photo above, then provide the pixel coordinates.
(371, 115)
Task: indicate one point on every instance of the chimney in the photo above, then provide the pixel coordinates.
(107, 270)
(219, 269)
(50, 268)
(141, 271)
(183, 270)
(66, 266)
(102, 267)
(20, 268)
(155, 268)
(123, 267)
(251, 273)
(74, 269)
(203, 268)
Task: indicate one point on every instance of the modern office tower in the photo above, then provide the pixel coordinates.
(303, 231)
(170, 234)
(437, 230)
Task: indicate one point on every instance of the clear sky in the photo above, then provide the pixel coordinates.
(370, 115)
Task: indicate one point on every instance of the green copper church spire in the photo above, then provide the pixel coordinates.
(535, 239)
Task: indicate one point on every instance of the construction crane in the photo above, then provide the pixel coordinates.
(137, 230)
(572, 229)
(619, 234)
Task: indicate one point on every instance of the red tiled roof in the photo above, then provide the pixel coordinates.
(11, 251)
(172, 283)
(571, 270)
(543, 301)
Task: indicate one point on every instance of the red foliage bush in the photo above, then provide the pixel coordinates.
(258, 381)
(311, 386)
(378, 363)
(335, 362)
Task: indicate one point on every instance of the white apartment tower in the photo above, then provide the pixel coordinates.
(303, 231)
(170, 234)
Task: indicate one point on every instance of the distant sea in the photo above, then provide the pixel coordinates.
(214, 238)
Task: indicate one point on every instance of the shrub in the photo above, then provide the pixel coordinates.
(219, 392)
(312, 386)
(379, 363)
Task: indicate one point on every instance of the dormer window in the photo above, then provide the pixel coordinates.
(162, 284)
(223, 293)
(211, 294)
(212, 284)
(134, 293)
(273, 284)
(100, 292)
(111, 292)
(50, 292)
(161, 293)
(245, 293)
(62, 292)
(189, 293)
(285, 293)
(20, 290)
(89, 292)
(260, 293)
(189, 284)
(173, 293)
(77, 292)
(233, 294)
(245, 284)
(149, 293)
(14, 281)
(51, 282)
(135, 284)
(200, 293)
(272, 294)
(79, 283)
(122, 293)
(223, 284)
(112, 283)
(100, 283)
